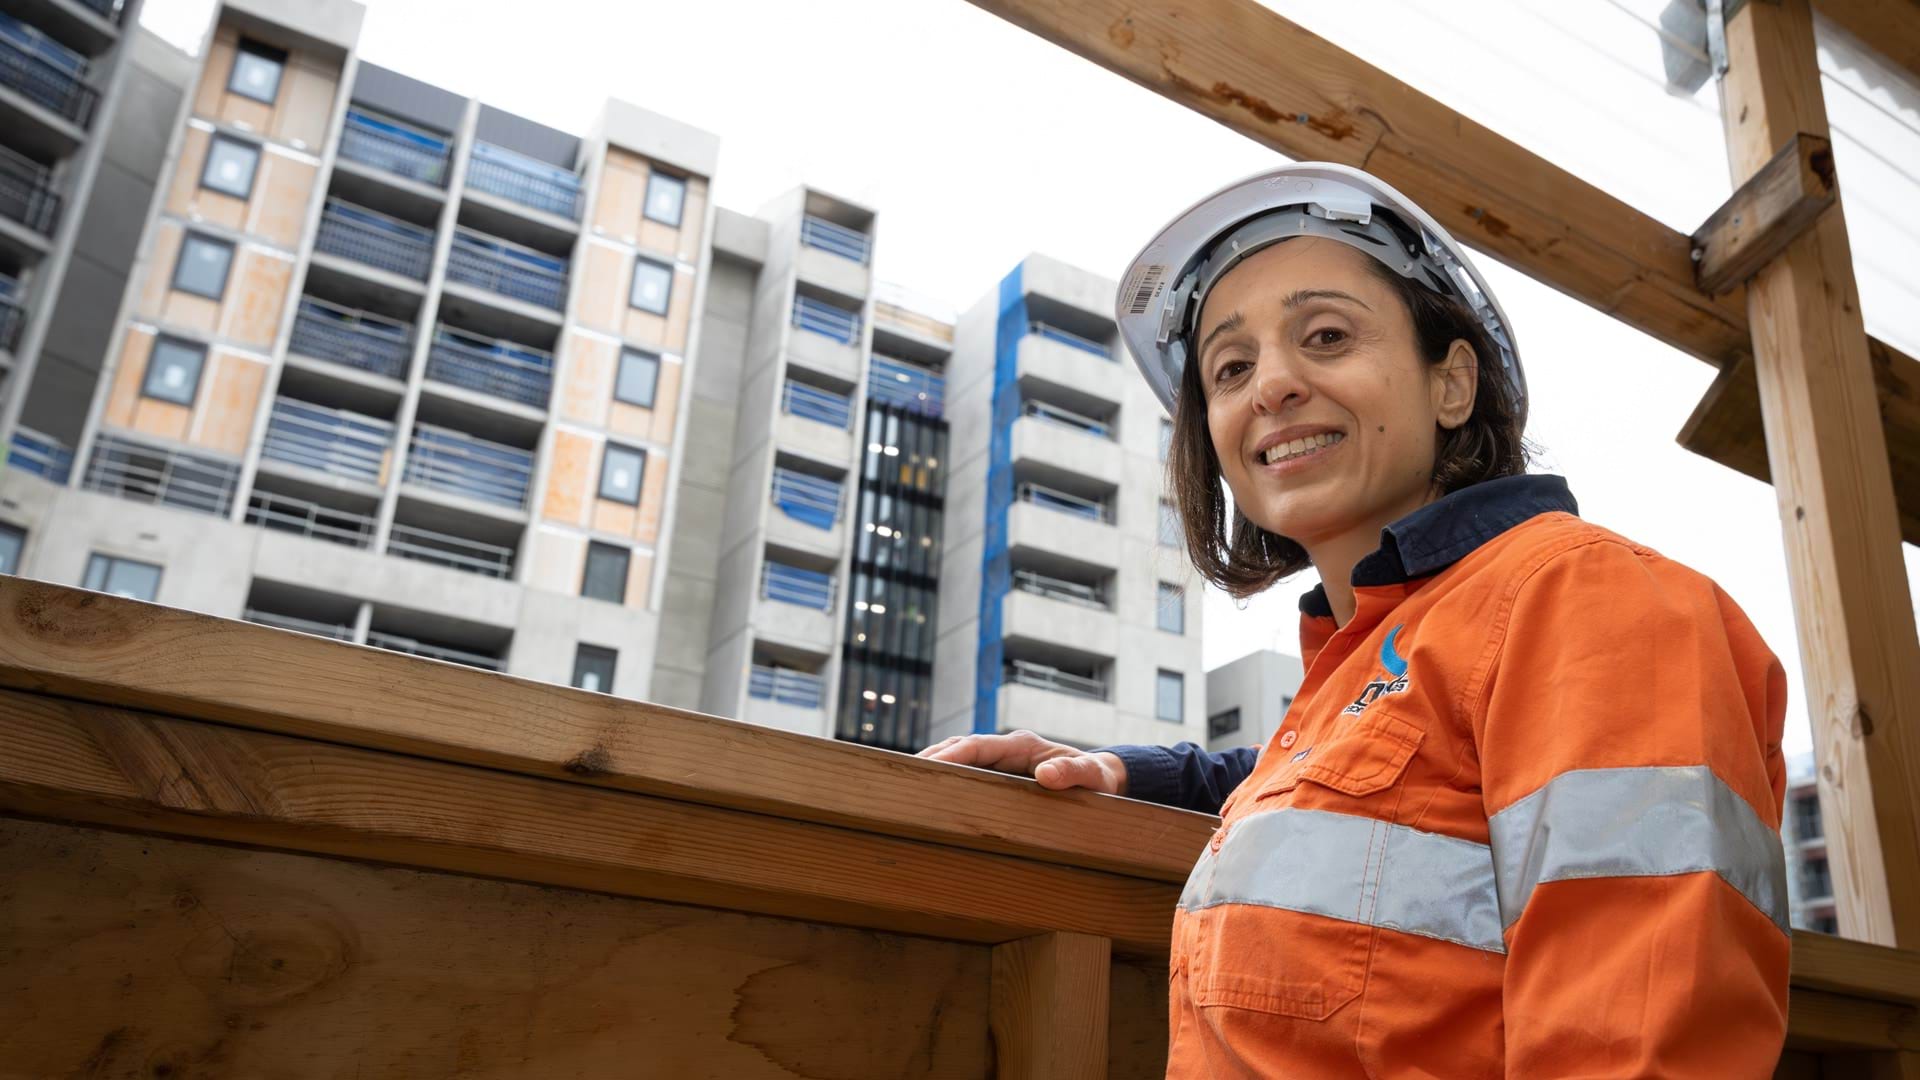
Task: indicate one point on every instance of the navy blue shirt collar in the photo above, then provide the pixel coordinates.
(1445, 531)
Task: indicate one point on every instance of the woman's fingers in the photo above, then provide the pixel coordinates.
(1088, 771)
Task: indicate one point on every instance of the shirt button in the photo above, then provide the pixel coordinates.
(1219, 837)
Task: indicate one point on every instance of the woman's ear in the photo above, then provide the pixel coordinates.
(1455, 381)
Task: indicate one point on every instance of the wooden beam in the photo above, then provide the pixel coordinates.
(1831, 475)
(73, 761)
(1773, 207)
(1049, 1008)
(1817, 1020)
(1888, 27)
(122, 652)
(1823, 962)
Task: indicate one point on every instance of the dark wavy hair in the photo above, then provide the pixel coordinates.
(1242, 558)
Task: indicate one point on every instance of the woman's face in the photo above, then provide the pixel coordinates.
(1322, 411)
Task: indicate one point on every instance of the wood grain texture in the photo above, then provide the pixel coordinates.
(1137, 1020)
(1050, 1003)
(144, 957)
(66, 760)
(1823, 1022)
(1765, 214)
(1831, 475)
(1824, 962)
(1888, 27)
(99, 648)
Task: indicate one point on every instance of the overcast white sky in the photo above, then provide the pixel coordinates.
(978, 143)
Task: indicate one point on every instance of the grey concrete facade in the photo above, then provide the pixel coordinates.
(1249, 697)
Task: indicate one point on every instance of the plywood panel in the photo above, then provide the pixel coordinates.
(653, 496)
(189, 200)
(622, 195)
(243, 112)
(604, 276)
(615, 518)
(136, 956)
(161, 418)
(569, 479)
(667, 334)
(558, 561)
(589, 384)
(281, 193)
(666, 401)
(640, 580)
(185, 311)
(256, 297)
(213, 76)
(693, 222)
(125, 394)
(307, 90)
(163, 256)
(229, 402)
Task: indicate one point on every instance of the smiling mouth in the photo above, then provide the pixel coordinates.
(1296, 449)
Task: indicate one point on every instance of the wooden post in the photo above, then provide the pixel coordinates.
(1049, 1007)
(1831, 476)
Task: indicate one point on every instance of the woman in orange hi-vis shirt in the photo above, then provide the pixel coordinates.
(1521, 819)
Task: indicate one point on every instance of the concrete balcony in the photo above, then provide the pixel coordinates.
(797, 626)
(1052, 622)
(808, 513)
(784, 717)
(1054, 714)
(1072, 372)
(1059, 453)
(835, 258)
(1044, 535)
(786, 699)
(814, 439)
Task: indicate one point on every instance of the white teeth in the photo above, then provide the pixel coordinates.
(1297, 447)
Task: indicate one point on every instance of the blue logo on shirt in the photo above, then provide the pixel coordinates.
(1394, 683)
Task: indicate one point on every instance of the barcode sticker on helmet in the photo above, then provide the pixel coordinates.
(1145, 288)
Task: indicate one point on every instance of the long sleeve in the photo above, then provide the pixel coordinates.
(1187, 775)
(1629, 739)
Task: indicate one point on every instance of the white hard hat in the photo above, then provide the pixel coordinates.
(1163, 289)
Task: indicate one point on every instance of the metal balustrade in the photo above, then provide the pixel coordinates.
(503, 369)
(140, 473)
(838, 239)
(1053, 499)
(297, 624)
(415, 647)
(1060, 589)
(26, 193)
(910, 386)
(803, 497)
(1067, 337)
(441, 549)
(45, 72)
(1045, 677)
(357, 339)
(303, 517)
(385, 243)
(796, 585)
(441, 459)
(813, 403)
(1054, 414)
(332, 441)
(106, 9)
(786, 686)
(40, 454)
(390, 146)
(527, 181)
(493, 264)
(826, 320)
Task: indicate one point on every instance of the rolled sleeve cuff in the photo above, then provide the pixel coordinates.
(1153, 773)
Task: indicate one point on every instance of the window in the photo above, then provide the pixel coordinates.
(203, 265)
(173, 370)
(1166, 438)
(122, 577)
(230, 167)
(652, 285)
(1170, 532)
(256, 71)
(1806, 816)
(606, 577)
(593, 668)
(11, 541)
(1169, 692)
(639, 377)
(1223, 723)
(620, 472)
(666, 197)
(1173, 609)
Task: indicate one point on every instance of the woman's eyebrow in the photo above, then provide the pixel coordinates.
(1295, 299)
(1227, 325)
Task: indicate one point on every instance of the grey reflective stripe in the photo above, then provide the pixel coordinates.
(1356, 869)
(1636, 822)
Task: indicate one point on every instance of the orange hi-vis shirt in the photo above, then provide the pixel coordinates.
(1521, 820)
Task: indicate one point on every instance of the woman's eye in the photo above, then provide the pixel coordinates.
(1326, 336)
(1229, 369)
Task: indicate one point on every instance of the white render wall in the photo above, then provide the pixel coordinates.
(1260, 685)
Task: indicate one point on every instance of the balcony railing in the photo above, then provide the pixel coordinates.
(813, 403)
(500, 368)
(416, 647)
(356, 233)
(809, 499)
(1055, 588)
(1054, 414)
(390, 146)
(106, 9)
(896, 382)
(42, 455)
(795, 585)
(1052, 499)
(826, 320)
(838, 239)
(357, 339)
(44, 72)
(786, 686)
(1028, 673)
(1066, 337)
(284, 513)
(130, 470)
(456, 463)
(473, 556)
(298, 625)
(490, 263)
(527, 181)
(26, 193)
(332, 441)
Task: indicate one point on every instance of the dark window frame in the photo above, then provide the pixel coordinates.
(666, 298)
(680, 207)
(653, 387)
(109, 562)
(253, 174)
(639, 482)
(626, 570)
(1217, 728)
(583, 653)
(187, 240)
(278, 57)
(199, 370)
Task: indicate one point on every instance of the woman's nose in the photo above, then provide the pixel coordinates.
(1276, 384)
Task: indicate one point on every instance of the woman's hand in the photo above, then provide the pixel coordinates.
(1023, 753)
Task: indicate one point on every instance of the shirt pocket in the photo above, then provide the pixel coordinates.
(1284, 927)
